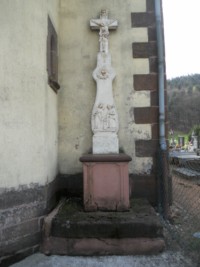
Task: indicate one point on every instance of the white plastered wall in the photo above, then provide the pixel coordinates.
(78, 50)
(28, 107)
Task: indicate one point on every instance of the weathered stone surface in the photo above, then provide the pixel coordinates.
(17, 231)
(19, 214)
(105, 158)
(23, 195)
(106, 182)
(104, 120)
(144, 50)
(153, 64)
(150, 5)
(75, 232)
(146, 115)
(94, 246)
(140, 221)
(145, 82)
(106, 143)
(146, 148)
(152, 34)
(13, 247)
(141, 19)
(7, 260)
(143, 185)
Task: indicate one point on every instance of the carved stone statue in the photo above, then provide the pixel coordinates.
(103, 25)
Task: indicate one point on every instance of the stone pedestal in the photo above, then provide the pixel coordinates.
(106, 182)
(69, 230)
(105, 143)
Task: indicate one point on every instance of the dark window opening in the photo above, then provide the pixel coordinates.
(52, 57)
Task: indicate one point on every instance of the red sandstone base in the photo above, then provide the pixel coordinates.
(106, 182)
(104, 246)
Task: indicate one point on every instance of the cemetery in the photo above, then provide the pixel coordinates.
(184, 156)
(184, 162)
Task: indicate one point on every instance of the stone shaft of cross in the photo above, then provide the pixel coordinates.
(104, 119)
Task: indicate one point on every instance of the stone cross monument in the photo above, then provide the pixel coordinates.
(104, 119)
(105, 171)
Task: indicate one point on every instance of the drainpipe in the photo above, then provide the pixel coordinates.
(161, 77)
(163, 187)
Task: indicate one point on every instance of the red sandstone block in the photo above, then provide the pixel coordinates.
(106, 183)
(94, 246)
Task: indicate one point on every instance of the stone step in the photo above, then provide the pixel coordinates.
(79, 224)
(102, 247)
(72, 231)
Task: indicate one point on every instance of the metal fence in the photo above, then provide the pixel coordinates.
(182, 192)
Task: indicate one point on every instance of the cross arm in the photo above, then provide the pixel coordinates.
(96, 24)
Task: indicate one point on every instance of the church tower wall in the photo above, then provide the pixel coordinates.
(28, 123)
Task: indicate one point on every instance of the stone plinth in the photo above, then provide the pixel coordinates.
(105, 143)
(69, 230)
(106, 182)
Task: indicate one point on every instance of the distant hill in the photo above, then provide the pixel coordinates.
(183, 102)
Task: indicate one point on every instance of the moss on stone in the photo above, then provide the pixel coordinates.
(73, 209)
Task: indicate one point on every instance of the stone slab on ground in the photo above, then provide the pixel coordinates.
(166, 259)
(102, 246)
(184, 158)
(187, 173)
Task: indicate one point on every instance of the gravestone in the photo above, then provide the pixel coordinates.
(181, 141)
(106, 178)
(195, 141)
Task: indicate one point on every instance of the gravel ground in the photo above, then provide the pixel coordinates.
(168, 259)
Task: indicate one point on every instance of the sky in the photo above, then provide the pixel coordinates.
(182, 37)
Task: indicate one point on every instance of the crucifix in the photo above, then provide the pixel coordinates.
(103, 24)
(104, 116)
(106, 180)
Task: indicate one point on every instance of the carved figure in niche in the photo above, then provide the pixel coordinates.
(104, 118)
(98, 117)
(111, 117)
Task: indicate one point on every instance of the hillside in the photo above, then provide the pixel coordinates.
(183, 102)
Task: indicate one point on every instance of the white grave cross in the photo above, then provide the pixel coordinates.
(104, 116)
